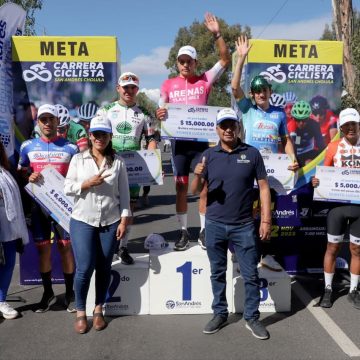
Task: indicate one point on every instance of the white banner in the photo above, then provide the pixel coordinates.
(12, 21)
(337, 184)
(190, 122)
(143, 167)
(49, 193)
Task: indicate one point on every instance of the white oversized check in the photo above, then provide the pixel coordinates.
(143, 167)
(337, 184)
(50, 195)
(280, 178)
(190, 122)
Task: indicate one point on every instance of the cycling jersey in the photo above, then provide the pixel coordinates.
(39, 153)
(342, 154)
(128, 125)
(192, 91)
(262, 128)
(76, 134)
(329, 122)
(307, 139)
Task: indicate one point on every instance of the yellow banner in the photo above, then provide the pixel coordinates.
(64, 48)
(296, 52)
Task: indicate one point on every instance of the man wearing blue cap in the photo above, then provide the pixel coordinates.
(229, 170)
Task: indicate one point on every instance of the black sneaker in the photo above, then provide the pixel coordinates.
(326, 300)
(183, 242)
(215, 324)
(46, 301)
(257, 329)
(201, 239)
(354, 298)
(69, 302)
(124, 255)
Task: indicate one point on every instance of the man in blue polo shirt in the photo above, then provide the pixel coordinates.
(229, 170)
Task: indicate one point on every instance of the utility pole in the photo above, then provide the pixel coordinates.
(343, 19)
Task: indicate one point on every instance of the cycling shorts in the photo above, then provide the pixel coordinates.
(185, 155)
(337, 221)
(42, 227)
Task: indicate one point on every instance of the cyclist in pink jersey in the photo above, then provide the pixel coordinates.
(192, 89)
(35, 155)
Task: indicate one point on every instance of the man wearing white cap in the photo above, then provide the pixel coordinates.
(35, 155)
(344, 153)
(129, 122)
(189, 88)
(228, 170)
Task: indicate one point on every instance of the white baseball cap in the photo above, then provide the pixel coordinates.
(155, 241)
(128, 78)
(348, 115)
(100, 123)
(47, 109)
(187, 50)
(226, 114)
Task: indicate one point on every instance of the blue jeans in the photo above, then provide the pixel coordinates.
(6, 270)
(93, 250)
(244, 240)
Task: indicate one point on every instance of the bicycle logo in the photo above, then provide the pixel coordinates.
(38, 71)
(274, 73)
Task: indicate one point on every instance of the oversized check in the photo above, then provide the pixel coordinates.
(337, 184)
(50, 195)
(190, 122)
(143, 167)
(280, 178)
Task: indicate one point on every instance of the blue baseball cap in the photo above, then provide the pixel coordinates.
(100, 123)
(226, 114)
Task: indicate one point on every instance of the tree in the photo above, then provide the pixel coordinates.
(202, 40)
(30, 6)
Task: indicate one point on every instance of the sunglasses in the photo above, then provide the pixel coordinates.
(129, 87)
(129, 78)
(99, 134)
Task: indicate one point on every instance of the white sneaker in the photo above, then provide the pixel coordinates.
(269, 262)
(7, 311)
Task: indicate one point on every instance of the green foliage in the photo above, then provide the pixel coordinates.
(329, 32)
(202, 40)
(30, 6)
(146, 104)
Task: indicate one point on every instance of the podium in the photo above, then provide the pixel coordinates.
(180, 281)
(275, 291)
(128, 292)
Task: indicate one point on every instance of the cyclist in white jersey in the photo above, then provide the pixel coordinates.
(129, 122)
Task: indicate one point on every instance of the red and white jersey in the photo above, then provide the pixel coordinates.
(192, 91)
(40, 152)
(342, 154)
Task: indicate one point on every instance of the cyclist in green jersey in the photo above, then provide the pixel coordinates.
(129, 122)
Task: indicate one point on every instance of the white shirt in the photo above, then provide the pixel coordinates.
(103, 204)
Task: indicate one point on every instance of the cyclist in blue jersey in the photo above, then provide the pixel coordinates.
(263, 123)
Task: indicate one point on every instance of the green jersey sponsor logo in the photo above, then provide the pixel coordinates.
(124, 128)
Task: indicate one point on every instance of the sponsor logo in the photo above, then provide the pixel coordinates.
(37, 71)
(170, 304)
(274, 73)
(283, 213)
(124, 128)
(322, 213)
(243, 159)
(198, 109)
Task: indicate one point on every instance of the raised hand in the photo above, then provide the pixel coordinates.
(242, 46)
(211, 23)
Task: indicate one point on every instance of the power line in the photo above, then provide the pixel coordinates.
(274, 16)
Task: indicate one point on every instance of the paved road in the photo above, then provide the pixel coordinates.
(307, 332)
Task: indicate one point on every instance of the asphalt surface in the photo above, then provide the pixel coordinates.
(307, 332)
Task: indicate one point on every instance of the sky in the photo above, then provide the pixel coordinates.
(146, 29)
